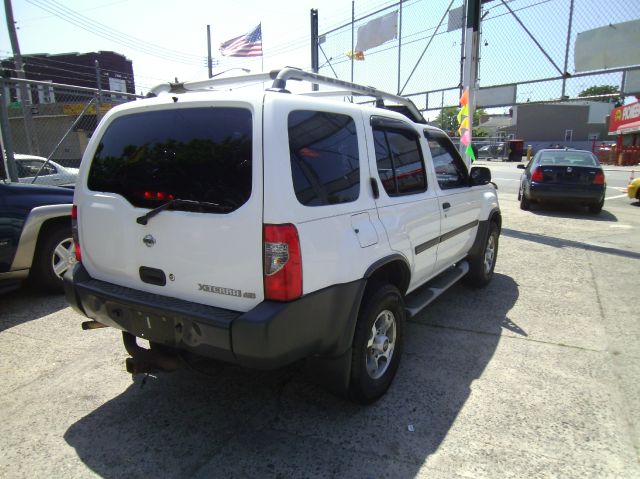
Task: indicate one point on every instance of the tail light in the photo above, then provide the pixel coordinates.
(537, 175)
(282, 263)
(74, 233)
(599, 178)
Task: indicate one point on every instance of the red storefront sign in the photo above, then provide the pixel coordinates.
(625, 119)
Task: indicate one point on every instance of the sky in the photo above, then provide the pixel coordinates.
(174, 29)
(167, 39)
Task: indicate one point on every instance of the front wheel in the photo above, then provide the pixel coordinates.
(481, 266)
(525, 202)
(377, 344)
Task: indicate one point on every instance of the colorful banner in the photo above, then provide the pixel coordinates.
(466, 124)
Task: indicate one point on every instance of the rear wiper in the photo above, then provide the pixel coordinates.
(200, 205)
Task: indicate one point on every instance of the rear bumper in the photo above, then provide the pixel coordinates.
(577, 193)
(269, 336)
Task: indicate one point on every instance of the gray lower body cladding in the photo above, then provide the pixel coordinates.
(269, 336)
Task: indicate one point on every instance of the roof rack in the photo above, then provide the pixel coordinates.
(280, 78)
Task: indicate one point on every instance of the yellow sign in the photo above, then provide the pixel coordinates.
(75, 109)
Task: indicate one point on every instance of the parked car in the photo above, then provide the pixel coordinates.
(266, 228)
(633, 190)
(35, 235)
(48, 172)
(569, 176)
(606, 147)
(496, 150)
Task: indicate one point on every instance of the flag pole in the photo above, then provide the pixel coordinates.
(262, 56)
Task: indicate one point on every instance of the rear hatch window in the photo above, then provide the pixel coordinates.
(569, 167)
(198, 154)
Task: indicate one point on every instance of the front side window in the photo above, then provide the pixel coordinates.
(399, 161)
(451, 170)
(198, 154)
(325, 164)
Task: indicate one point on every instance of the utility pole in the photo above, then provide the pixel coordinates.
(470, 68)
(315, 64)
(99, 96)
(25, 97)
(209, 59)
(7, 141)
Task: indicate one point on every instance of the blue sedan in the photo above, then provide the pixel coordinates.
(567, 176)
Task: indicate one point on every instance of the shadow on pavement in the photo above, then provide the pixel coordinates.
(241, 423)
(26, 304)
(565, 243)
(575, 212)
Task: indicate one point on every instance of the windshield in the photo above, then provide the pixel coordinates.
(568, 158)
(198, 154)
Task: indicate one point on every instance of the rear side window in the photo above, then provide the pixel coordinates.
(199, 154)
(399, 161)
(325, 164)
(451, 171)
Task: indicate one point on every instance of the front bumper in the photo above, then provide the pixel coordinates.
(269, 336)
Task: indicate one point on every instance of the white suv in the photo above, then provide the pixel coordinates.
(266, 228)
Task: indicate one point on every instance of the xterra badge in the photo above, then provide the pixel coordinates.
(216, 289)
(226, 291)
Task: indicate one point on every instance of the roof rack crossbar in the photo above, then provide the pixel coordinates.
(280, 78)
(290, 73)
(182, 87)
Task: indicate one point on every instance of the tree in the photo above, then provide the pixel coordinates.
(601, 90)
(448, 121)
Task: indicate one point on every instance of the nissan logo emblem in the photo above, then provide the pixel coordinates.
(149, 241)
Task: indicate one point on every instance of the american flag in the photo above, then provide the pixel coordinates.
(249, 45)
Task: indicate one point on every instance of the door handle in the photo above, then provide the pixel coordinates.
(446, 206)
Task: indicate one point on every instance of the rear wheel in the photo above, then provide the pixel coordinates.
(597, 208)
(481, 267)
(54, 256)
(377, 344)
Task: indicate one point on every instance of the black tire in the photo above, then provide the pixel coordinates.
(47, 259)
(525, 202)
(596, 208)
(372, 371)
(481, 267)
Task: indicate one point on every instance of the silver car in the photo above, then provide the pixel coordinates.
(50, 173)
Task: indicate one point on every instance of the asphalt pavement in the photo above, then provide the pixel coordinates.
(537, 375)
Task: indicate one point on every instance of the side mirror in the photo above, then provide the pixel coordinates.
(480, 175)
(520, 166)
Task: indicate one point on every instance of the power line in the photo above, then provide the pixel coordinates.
(29, 20)
(46, 76)
(116, 36)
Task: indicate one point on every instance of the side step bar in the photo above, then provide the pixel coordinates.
(421, 297)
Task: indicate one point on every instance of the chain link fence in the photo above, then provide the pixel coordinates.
(47, 126)
(525, 44)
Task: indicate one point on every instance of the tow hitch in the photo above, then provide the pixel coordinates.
(144, 360)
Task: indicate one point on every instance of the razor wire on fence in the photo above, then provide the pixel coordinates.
(527, 47)
(47, 126)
